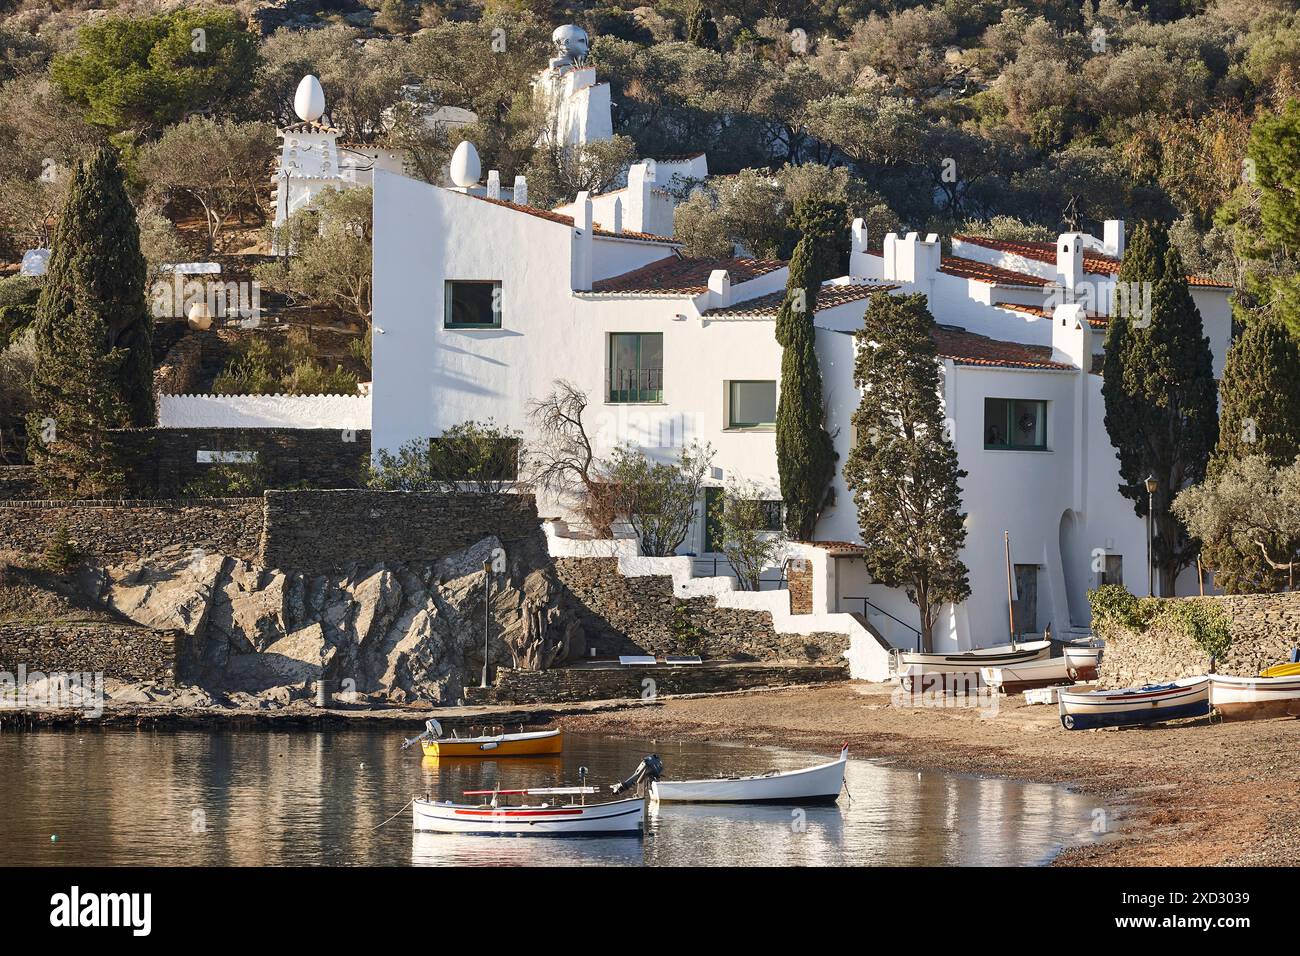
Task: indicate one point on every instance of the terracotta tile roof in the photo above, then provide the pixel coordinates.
(307, 127)
(1098, 263)
(972, 269)
(1096, 320)
(968, 348)
(678, 275)
(829, 297)
(568, 221)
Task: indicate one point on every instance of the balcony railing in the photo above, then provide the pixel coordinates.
(636, 385)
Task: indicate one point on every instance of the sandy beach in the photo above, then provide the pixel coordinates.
(1191, 793)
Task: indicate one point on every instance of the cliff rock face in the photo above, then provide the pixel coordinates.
(400, 631)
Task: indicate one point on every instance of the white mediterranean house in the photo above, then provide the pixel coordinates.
(481, 304)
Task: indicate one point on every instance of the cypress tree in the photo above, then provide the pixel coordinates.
(1159, 390)
(94, 362)
(1260, 396)
(805, 454)
(902, 469)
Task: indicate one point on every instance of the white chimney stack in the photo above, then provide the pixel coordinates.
(859, 261)
(1069, 260)
(618, 216)
(640, 183)
(1113, 238)
(494, 184)
(520, 196)
(582, 243)
(719, 289)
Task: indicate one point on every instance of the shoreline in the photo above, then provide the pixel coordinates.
(1194, 792)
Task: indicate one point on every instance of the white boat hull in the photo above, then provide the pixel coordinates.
(1084, 659)
(820, 784)
(1247, 698)
(916, 670)
(1048, 672)
(620, 816)
(1189, 697)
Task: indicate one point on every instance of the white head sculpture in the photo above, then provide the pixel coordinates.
(464, 167)
(309, 100)
(571, 45)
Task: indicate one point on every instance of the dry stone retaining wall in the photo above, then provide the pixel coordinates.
(119, 651)
(116, 529)
(1264, 628)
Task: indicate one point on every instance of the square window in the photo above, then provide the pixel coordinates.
(636, 367)
(751, 404)
(1014, 424)
(472, 304)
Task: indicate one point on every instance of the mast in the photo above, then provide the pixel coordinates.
(1011, 607)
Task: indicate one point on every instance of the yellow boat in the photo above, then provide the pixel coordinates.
(523, 744)
(1281, 670)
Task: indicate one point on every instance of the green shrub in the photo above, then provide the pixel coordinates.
(1113, 606)
(273, 365)
(1205, 622)
(228, 480)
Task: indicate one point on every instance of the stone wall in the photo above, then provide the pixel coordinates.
(325, 530)
(318, 457)
(178, 373)
(641, 615)
(1264, 628)
(799, 574)
(124, 652)
(616, 683)
(121, 529)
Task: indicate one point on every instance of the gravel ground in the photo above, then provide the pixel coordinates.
(1191, 793)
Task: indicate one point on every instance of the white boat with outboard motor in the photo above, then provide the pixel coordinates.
(576, 817)
(819, 784)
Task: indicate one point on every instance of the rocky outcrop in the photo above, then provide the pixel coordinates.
(401, 631)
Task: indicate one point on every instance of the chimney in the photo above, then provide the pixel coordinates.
(1071, 335)
(618, 216)
(1069, 261)
(640, 182)
(890, 268)
(493, 184)
(582, 243)
(520, 196)
(719, 289)
(859, 261)
(1113, 238)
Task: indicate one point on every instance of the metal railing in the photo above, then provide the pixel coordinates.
(866, 603)
(635, 385)
(717, 566)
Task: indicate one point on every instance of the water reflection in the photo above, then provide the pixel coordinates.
(258, 798)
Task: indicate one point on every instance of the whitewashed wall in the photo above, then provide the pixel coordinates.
(264, 411)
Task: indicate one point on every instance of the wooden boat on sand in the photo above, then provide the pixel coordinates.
(500, 744)
(1250, 698)
(918, 671)
(1014, 678)
(1083, 710)
(820, 784)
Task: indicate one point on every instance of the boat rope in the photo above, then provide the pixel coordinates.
(845, 785)
(395, 815)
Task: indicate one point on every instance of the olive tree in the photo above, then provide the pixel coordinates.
(659, 498)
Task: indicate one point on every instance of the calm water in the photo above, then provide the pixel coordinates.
(307, 798)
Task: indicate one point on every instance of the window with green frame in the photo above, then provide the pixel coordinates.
(471, 304)
(1015, 424)
(751, 404)
(636, 367)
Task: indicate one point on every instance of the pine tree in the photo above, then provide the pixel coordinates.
(902, 470)
(701, 28)
(94, 365)
(1260, 396)
(1273, 242)
(805, 454)
(1159, 390)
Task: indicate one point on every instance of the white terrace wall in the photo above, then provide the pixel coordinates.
(350, 412)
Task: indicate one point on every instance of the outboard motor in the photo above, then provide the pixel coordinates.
(650, 768)
(432, 731)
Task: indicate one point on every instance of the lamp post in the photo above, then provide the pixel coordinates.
(1151, 486)
(487, 616)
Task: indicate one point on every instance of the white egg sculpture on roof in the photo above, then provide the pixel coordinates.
(465, 168)
(309, 100)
